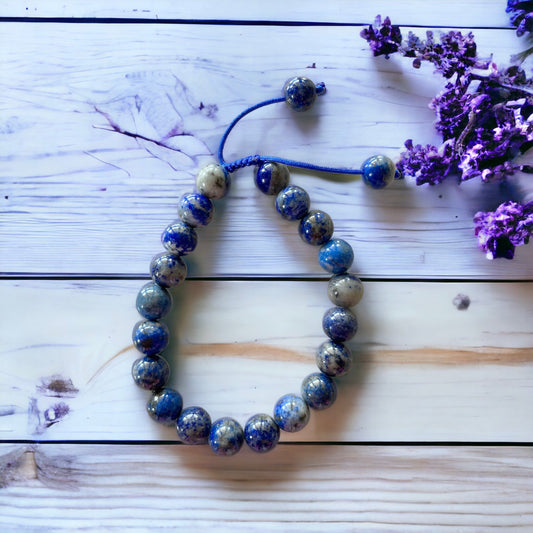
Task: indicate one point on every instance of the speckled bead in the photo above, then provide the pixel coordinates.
(261, 433)
(150, 372)
(339, 324)
(150, 337)
(316, 228)
(196, 209)
(291, 413)
(319, 391)
(335, 256)
(345, 290)
(153, 301)
(165, 406)
(292, 203)
(378, 171)
(193, 425)
(300, 93)
(333, 359)
(168, 269)
(179, 238)
(271, 178)
(226, 436)
(213, 181)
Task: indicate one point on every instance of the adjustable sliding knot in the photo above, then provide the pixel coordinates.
(242, 163)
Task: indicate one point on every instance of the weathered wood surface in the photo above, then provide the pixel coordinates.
(311, 488)
(77, 198)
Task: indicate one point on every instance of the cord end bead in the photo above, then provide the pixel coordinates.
(378, 171)
(300, 93)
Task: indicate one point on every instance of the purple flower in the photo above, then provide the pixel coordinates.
(521, 15)
(499, 232)
(384, 39)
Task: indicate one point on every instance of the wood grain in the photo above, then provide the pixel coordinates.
(341, 488)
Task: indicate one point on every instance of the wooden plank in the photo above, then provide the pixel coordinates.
(477, 13)
(424, 370)
(338, 488)
(96, 201)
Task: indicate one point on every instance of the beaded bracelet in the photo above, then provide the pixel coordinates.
(151, 336)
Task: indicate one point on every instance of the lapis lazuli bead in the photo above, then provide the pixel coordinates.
(165, 406)
(150, 372)
(292, 203)
(150, 337)
(345, 290)
(226, 436)
(335, 256)
(319, 391)
(213, 181)
(300, 93)
(168, 269)
(378, 171)
(291, 413)
(153, 301)
(339, 324)
(179, 238)
(261, 433)
(333, 358)
(271, 178)
(196, 209)
(316, 228)
(193, 425)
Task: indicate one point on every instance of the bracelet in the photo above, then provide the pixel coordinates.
(168, 269)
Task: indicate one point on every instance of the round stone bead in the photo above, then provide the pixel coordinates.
(168, 269)
(333, 359)
(292, 203)
(319, 391)
(213, 181)
(271, 178)
(345, 290)
(193, 425)
(226, 436)
(165, 406)
(339, 324)
(150, 337)
(291, 413)
(300, 93)
(261, 433)
(150, 372)
(179, 238)
(335, 256)
(378, 171)
(316, 228)
(196, 209)
(153, 301)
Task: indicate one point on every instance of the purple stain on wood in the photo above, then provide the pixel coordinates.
(57, 386)
(462, 302)
(55, 413)
(7, 410)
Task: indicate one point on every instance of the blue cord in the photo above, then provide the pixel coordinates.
(258, 159)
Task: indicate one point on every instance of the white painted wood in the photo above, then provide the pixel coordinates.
(80, 199)
(477, 13)
(424, 371)
(312, 488)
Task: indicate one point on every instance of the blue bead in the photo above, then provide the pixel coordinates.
(292, 203)
(179, 238)
(270, 177)
(291, 413)
(226, 436)
(319, 391)
(168, 269)
(335, 256)
(150, 372)
(165, 406)
(378, 171)
(316, 228)
(150, 337)
(261, 433)
(196, 209)
(300, 93)
(339, 324)
(153, 301)
(193, 425)
(333, 359)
